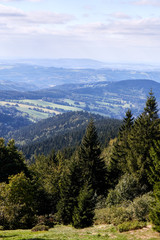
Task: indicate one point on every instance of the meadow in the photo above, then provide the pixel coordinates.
(97, 232)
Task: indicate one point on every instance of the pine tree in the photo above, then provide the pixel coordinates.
(151, 108)
(84, 211)
(155, 209)
(154, 167)
(93, 167)
(11, 160)
(141, 139)
(118, 164)
(69, 185)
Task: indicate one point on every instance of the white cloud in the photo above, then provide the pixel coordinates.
(20, 0)
(119, 15)
(20, 22)
(137, 27)
(155, 3)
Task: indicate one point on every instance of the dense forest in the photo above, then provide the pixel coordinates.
(62, 131)
(118, 182)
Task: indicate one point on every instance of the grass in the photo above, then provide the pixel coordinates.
(38, 109)
(98, 232)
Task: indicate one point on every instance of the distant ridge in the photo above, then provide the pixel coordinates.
(111, 99)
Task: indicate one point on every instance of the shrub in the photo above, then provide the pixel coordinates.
(127, 211)
(127, 189)
(115, 215)
(40, 228)
(141, 207)
(1, 228)
(132, 225)
(47, 220)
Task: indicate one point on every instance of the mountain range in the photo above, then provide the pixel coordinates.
(30, 77)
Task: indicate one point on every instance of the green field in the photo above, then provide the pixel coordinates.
(39, 109)
(98, 232)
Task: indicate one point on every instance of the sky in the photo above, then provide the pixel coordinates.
(121, 31)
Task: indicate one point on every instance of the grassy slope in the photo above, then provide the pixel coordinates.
(97, 232)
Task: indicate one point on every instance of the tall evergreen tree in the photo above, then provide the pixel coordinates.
(151, 108)
(93, 167)
(70, 184)
(142, 136)
(118, 164)
(155, 209)
(85, 167)
(11, 160)
(154, 167)
(84, 211)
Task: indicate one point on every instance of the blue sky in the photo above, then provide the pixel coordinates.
(122, 31)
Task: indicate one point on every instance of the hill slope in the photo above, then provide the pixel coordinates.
(62, 131)
(111, 99)
(24, 77)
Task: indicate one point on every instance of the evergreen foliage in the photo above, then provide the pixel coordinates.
(84, 211)
(141, 139)
(155, 210)
(118, 163)
(93, 167)
(154, 167)
(11, 160)
(70, 184)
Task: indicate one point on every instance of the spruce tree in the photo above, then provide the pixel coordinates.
(93, 167)
(11, 160)
(118, 164)
(69, 184)
(151, 108)
(84, 211)
(155, 208)
(141, 139)
(154, 167)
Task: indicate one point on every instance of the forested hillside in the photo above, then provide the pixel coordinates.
(11, 119)
(116, 184)
(110, 99)
(62, 131)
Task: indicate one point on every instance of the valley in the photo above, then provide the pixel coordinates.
(110, 99)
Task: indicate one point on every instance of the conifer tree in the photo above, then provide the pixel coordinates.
(85, 167)
(118, 164)
(151, 108)
(84, 211)
(142, 136)
(69, 185)
(154, 167)
(11, 160)
(155, 209)
(93, 167)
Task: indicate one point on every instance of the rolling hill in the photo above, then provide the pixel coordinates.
(62, 131)
(29, 76)
(111, 99)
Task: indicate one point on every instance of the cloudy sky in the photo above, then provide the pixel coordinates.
(108, 30)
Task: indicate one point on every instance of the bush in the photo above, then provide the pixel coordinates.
(141, 207)
(132, 225)
(127, 211)
(1, 228)
(40, 228)
(127, 189)
(47, 220)
(115, 215)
